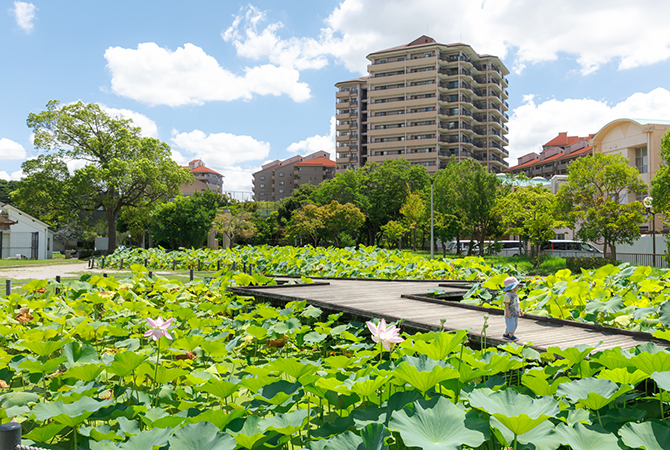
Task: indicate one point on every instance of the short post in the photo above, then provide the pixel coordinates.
(218, 265)
(199, 265)
(104, 275)
(121, 266)
(57, 278)
(174, 265)
(8, 287)
(102, 263)
(249, 268)
(145, 262)
(191, 274)
(151, 274)
(244, 268)
(10, 435)
(234, 266)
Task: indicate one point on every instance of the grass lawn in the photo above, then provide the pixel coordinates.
(36, 262)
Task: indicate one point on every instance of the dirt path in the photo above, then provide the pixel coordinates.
(50, 271)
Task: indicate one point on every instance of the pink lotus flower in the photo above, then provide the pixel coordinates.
(386, 335)
(158, 328)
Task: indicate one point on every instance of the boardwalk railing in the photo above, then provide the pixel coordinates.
(642, 259)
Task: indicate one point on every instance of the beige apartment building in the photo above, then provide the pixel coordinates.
(277, 180)
(555, 157)
(426, 102)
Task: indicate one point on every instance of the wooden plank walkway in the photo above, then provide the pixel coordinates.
(390, 299)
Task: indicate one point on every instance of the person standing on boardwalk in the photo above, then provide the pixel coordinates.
(512, 308)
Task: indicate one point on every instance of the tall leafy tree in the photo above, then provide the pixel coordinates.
(660, 185)
(120, 168)
(449, 215)
(413, 211)
(186, 221)
(530, 212)
(6, 188)
(338, 219)
(593, 199)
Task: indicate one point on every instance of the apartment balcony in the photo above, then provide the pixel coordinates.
(345, 138)
(381, 93)
(432, 87)
(386, 67)
(419, 62)
(385, 132)
(420, 115)
(342, 116)
(382, 80)
(419, 102)
(342, 94)
(427, 75)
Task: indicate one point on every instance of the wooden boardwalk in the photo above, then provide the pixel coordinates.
(394, 300)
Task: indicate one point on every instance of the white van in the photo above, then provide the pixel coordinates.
(565, 249)
(452, 247)
(511, 248)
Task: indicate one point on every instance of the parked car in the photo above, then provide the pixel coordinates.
(509, 248)
(565, 249)
(453, 246)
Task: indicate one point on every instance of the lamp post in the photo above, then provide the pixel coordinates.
(648, 203)
(432, 243)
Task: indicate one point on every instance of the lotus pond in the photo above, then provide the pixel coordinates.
(84, 368)
(623, 296)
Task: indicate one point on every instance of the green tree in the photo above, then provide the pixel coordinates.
(660, 185)
(235, 224)
(6, 189)
(531, 213)
(306, 222)
(447, 203)
(413, 211)
(186, 221)
(338, 219)
(392, 233)
(593, 199)
(446, 227)
(121, 169)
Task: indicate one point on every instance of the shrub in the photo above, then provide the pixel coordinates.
(576, 264)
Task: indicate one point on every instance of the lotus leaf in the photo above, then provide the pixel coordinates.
(77, 353)
(650, 435)
(70, 414)
(593, 393)
(652, 362)
(542, 437)
(439, 425)
(520, 413)
(293, 367)
(424, 373)
(587, 437)
(147, 439)
(623, 376)
(442, 345)
(87, 372)
(201, 436)
(287, 424)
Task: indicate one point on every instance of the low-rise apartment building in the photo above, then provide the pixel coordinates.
(205, 178)
(277, 180)
(555, 157)
(425, 102)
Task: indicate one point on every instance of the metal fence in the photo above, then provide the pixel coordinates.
(642, 259)
(20, 245)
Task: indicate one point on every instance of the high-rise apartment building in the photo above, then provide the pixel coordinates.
(425, 102)
(277, 179)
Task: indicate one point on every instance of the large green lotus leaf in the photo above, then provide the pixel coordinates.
(423, 373)
(344, 441)
(146, 440)
(43, 348)
(572, 355)
(70, 414)
(218, 417)
(45, 433)
(650, 435)
(293, 367)
(341, 401)
(442, 346)
(652, 362)
(87, 372)
(339, 361)
(216, 348)
(623, 376)
(438, 424)
(128, 427)
(254, 384)
(542, 437)
(219, 388)
(611, 306)
(366, 386)
(47, 366)
(125, 362)
(100, 433)
(587, 437)
(201, 436)
(664, 314)
(662, 380)
(288, 424)
(279, 391)
(370, 414)
(520, 413)
(593, 393)
(77, 353)
(249, 435)
(332, 384)
(537, 380)
(188, 343)
(494, 362)
(314, 337)
(613, 358)
(163, 374)
(18, 398)
(339, 426)
(256, 331)
(374, 437)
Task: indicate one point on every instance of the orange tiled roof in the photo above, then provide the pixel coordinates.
(551, 158)
(563, 139)
(201, 169)
(321, 161)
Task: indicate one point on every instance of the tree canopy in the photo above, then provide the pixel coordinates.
(115, 166)
(594, 199)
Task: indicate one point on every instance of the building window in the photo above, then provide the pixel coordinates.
(281, 182)
(281, 191)
(262, 185)
(262, 193)
(281, 174)
(262, 177)
(641, 159)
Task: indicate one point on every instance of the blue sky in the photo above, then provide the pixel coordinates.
(240, 84)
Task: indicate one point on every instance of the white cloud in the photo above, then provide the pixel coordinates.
(148, 126)
(238, 180)
(534, 123)
(159, 76)
(316, 143)
(632, 34)
(219, 150)
(14, 176)
(24, 13)
(11, 150)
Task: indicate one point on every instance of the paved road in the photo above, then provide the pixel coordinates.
(47, 272)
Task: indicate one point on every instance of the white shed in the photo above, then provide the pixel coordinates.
(27, 237)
